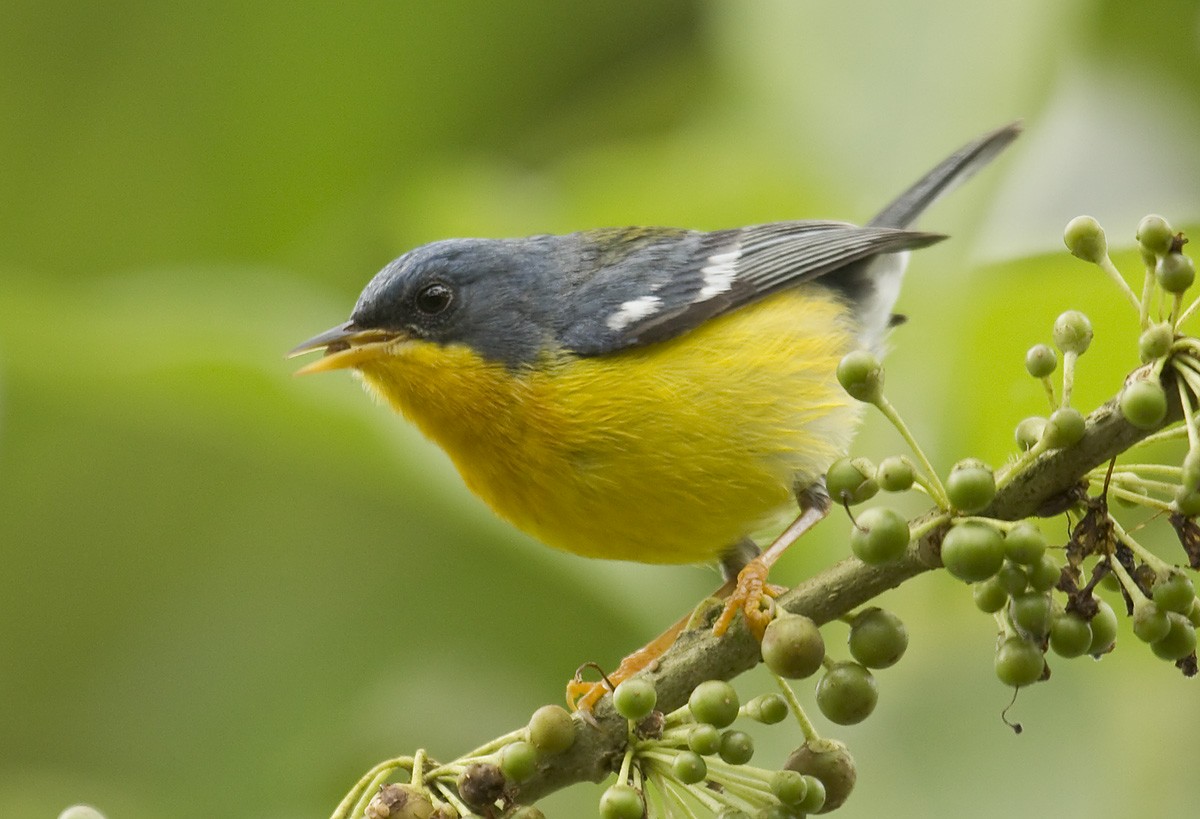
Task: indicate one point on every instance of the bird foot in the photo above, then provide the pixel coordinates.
(754, 597)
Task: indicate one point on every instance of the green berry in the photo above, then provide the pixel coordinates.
(1030, 431)
(1156, 342)
(634, 698)
(895, 474)
(689, 767)
(814, 797)
(1070, 635)
(1154, 234)
(1175, 273)
(1175, 592)
(1190, 479)
(1194, 615)
(851, 481)
(1072, 332)
(714, 702)
(792, 646)
(1040, 360)
(1085, 239)
(1044, 574)
(829, 762)
(970, 486)
(518, 761)
(704, 739)
(1065, 429)
(1012, 579)
(1104, 630)
(1031, 612)
(1150, 623)
(861, 375)
(551, 729)
(736, 748)
(973, 551)
(788, 787)
(1024, 544)
(1019, 663)
(989, 595)
(846, 694)
(1144, 404)
(878, 639)
(768, 709)
(621, 801)
(1178, 642)
(879, 536)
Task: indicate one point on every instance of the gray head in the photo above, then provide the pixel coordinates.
(483, 293)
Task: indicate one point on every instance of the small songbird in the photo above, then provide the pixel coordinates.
(644, 394)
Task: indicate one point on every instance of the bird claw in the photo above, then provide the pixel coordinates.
(754, 597)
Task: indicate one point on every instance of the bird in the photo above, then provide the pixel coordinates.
(648, 394)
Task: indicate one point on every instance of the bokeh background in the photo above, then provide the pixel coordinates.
(225, 592)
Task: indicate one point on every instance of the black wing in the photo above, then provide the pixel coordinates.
(644, 285)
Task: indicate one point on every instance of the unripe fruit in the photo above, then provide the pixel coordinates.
(1070, 635)
(1155, 342)
(970, 486)
(621, 801)
(851, 481)
(973, 551)
(879, 536)
(847, 694)
(1019, 663)
(1072, 332)
(878, 639)
(861, 375)
(895, 474)
(1065, 429)
(1175, 273)
(551, 729)
(792, 646)
(634, 698)
(714, 702)
(1085, 239)
(1154, 234)
(1040, 360)
(1144, 404)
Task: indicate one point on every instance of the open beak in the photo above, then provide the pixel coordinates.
(346, 345)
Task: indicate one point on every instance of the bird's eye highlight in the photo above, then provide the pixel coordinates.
(434, 298)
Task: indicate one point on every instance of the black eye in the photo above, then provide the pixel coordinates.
(434, 298)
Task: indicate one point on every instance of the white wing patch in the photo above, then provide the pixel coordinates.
(633, 310)
(719, 273)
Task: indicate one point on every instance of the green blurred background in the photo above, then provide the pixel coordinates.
(227, 592)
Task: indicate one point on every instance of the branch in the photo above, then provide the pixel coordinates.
(1042, 487)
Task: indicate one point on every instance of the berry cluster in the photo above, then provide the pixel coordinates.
(692, 762)
(1045, 599)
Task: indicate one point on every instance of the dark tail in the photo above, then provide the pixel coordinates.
(950, 172)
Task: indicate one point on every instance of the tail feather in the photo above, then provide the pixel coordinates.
(950, 172)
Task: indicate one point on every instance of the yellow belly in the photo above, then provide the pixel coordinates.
(667, 453)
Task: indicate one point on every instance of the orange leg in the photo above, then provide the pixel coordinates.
(746, 594)
(752, 579)
(583, 696)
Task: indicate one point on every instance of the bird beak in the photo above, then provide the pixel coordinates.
(346, 345)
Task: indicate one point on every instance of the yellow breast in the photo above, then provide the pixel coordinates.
(667, 453)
